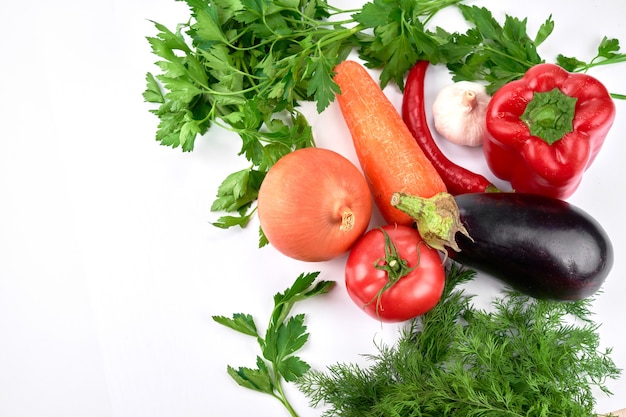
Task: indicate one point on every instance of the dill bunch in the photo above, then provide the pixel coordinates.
(524, 357)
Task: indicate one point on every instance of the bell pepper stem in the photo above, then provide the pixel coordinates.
(550, 115)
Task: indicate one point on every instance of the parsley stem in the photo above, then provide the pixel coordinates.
(429, 10)
(598, 62)
(283, 398)
(335, 36)
(526, 64)
(317, 23)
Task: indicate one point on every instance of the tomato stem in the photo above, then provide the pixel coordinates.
(395, 266)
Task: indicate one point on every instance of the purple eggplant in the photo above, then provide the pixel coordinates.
(543, 247)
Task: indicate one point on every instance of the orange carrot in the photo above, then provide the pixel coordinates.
(391, 159)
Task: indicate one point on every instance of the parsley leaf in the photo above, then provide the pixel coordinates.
(258, 379)
(285, 335)
(153, 93)
(322, 85)
(490, 51)
(284, 340)
(238, 191)
(243, 323)
(399, 36)
(608, 53)
(292, 368)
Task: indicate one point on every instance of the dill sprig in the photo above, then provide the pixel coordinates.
(522, 357)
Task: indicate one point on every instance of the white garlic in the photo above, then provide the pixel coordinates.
(459, 112)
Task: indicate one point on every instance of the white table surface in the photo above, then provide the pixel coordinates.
(109, 268)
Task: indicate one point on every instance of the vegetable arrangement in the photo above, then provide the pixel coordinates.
(247, 65)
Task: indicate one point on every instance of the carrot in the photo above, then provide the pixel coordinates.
(390, 158)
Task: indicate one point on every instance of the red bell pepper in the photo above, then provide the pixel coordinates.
(545, 129)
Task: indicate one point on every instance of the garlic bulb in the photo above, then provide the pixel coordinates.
(459, 113)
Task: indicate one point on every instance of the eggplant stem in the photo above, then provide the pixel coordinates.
(437, 218)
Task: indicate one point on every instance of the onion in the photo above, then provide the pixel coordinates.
(314, 204)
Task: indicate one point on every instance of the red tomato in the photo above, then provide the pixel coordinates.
(379, 293)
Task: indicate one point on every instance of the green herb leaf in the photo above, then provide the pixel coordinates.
(254, 379)
(238, 190)
(608, 49)
(225, 222)
(545, 30)
(153, 93)
(570, 63)
(263, 241)
(284, 336)
(400, 37)
(322, 85)
(208, 25)
(300, 290)
(292, 368)
(243, 323)
(286, 339)
(292, 336)
(608, 53)
(373, 14)
(490, 51)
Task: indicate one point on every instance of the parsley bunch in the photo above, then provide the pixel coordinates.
(608, 52)
(499, 53)
(490, 51)
(285, 335)
(246, 65)
(526, 357)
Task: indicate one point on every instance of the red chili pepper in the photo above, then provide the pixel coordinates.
(458, 180)
(545, 129)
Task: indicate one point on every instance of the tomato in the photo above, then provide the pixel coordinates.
(393, 275)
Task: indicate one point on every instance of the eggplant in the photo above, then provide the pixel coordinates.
(540, 246)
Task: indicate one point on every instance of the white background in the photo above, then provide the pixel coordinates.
(109, 267)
